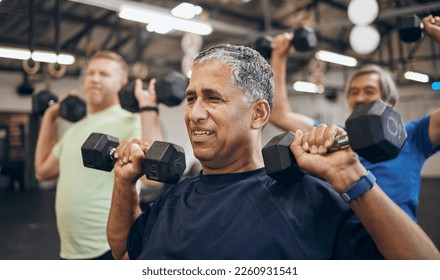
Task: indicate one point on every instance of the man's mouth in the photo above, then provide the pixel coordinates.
(202, 133)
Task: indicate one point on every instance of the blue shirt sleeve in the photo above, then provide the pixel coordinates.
(418, 131)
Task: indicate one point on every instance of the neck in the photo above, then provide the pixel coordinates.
(249, 161)
(98, 108)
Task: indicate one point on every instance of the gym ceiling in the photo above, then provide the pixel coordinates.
(81, 27)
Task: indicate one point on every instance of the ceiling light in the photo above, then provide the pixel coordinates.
(159, 18)
(15, 53)
(364, 39)
(186, 10)
(415, 76)
(308, 87)
(41, 56)
(336, 58)
(363, 12)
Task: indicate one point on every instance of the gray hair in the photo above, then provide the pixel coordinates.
(251, 72)
(388, 87)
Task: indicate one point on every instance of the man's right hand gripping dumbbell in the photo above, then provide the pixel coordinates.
(163, 162)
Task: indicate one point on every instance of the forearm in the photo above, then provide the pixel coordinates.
(151, 127)
(280, 98)
(45, 143)
(123, 213)
(395, 234)
(282, 114)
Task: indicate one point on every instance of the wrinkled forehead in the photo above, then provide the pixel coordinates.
(370, 78)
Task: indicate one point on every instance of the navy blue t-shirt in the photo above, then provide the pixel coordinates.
(249, 216)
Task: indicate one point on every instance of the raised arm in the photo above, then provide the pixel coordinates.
(150, 121)
(396, 235)
(432, 29)
(282, 115)
(125, 208)
(46, 165)
(151, 127)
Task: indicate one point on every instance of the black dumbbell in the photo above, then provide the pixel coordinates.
(304, 39)
(164, 162)
(42, 100)
(374, 130)
(279, 162)
(411, 29)
(170, 90)
(72, 108)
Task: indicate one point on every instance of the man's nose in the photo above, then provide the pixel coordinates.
(95, 77)
(198, 112)
(360, 98)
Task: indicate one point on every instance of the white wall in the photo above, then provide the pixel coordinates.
(416, 102)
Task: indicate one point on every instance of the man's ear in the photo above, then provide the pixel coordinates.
(261, 114)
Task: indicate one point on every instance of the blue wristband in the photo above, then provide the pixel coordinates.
(365, 183)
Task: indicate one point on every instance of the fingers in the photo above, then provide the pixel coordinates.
(152, 86)
(124, 151)
(74, 92)
(146, 97)
(138, 87)
(319, 139)
(136, 154)
(431, 19)
(313, 140)
(281, 43)
(296, 145)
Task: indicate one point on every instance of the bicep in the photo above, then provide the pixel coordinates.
(47, 169)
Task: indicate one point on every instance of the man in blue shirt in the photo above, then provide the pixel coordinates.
(233, 209)
(399, 177)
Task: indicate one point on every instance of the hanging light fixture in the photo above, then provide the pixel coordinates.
(364, 39)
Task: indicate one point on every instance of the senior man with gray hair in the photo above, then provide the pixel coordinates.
(233, 209)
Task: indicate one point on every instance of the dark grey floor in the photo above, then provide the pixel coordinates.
(28, 229)
(27, 226)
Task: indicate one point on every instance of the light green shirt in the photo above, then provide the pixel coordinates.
(83, 195)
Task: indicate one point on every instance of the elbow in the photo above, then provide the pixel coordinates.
(40, 175)
(119, 250)
(120, 255)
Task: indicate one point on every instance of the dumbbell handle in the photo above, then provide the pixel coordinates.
(111, 153)
(51, 102)
(341, 142)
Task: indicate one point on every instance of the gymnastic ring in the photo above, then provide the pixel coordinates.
(31, 70)
(51, 68)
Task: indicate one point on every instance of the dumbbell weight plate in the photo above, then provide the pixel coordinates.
(73, 108)
(97, 151)
(164, 162)
(42, 100)
(376, 131)
(279, 162)
(170, 90)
